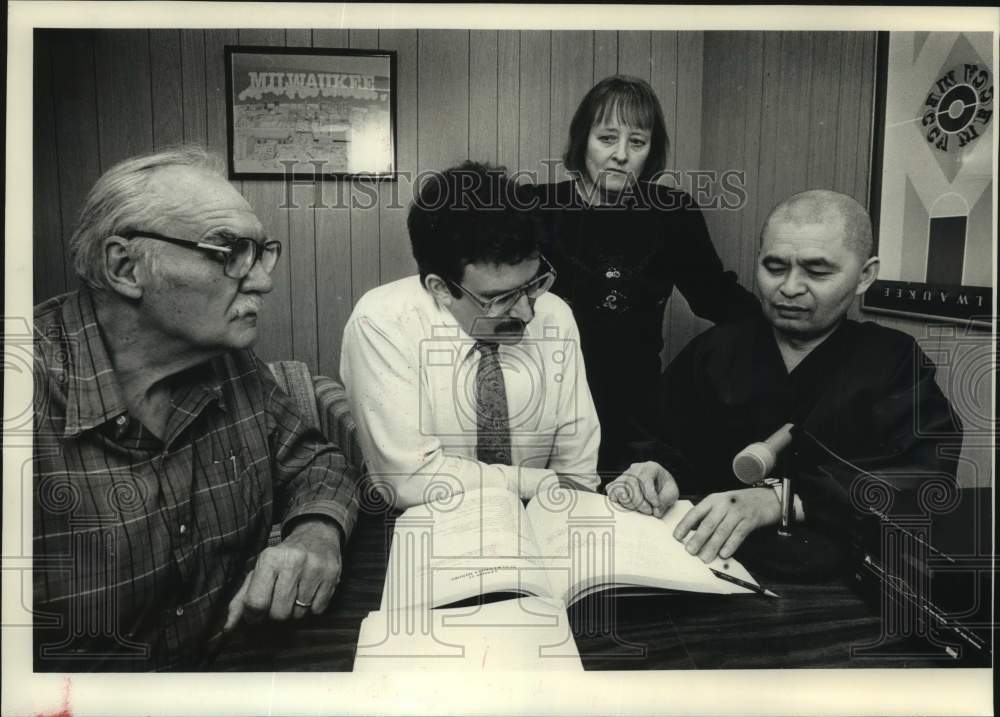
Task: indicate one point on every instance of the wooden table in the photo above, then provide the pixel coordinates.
(811, 625)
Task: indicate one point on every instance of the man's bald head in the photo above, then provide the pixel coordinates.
(823, 206)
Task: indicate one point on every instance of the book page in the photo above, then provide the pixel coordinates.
(524, 634)
(591, 543)
(468, 545)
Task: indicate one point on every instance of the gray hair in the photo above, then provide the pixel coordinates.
(818, 206)
(121, 198)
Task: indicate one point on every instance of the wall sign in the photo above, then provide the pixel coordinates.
(932, 177)
(310, 112)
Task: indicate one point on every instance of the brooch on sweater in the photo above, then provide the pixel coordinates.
(615, 299)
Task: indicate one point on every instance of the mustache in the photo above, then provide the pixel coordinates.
(247, 305)
(510, 326)
(489, 325)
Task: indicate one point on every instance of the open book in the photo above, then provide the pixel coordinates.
(564, 545)
(528, 634)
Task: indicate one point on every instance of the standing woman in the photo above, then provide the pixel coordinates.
(620, 243)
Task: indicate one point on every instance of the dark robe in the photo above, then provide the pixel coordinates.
(617, 267)
(879, 428)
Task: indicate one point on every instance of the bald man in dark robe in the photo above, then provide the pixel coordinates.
(869, 414)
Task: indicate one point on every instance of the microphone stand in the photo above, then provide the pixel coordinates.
(791, 466)
(787, 503)
(791, 553)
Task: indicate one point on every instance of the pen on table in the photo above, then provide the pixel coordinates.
(742, 583)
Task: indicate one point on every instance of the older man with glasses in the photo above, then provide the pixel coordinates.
(164, 449)
(470, 375)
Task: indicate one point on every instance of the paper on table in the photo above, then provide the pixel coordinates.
(731, 566)
(442, 553)
(523, 634)
(623, 548)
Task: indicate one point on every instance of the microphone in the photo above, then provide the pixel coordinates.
(802, 553)
(755, 462)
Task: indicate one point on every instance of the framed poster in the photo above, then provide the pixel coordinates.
(932, 177)
(302, 113)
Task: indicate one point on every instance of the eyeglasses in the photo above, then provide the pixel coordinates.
(240, 254)
(500, 305)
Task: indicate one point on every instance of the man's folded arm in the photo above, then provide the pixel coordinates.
(311, 477)
(381, 373)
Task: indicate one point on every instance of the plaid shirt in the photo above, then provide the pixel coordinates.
(140, 543)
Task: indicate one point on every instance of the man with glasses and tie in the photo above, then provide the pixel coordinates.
(164, 449)
(470, 375)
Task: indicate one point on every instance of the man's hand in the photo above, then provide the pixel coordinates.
(645, 487)
(723, 520)
(296, 576)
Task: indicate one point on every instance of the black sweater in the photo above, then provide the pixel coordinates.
(617, 266)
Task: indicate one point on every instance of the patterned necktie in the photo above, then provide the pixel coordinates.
(492, 427)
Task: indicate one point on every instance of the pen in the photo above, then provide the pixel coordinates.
(742, 583)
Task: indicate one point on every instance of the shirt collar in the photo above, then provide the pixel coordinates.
(447, 329)
(93, 395)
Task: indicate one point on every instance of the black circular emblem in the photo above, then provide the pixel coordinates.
(958, 107)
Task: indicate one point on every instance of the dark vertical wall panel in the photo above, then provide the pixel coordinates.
(663, 54)
(508, 97)
(795, 128)
(395, 257)
(572, 77)
(302, 252)
(483, 91)
(634, 54)
(193, 94)
(750, 87)
(48, 246)
(605, 53)
(215, 86)
(334, 297)
(443, 98)
(675, 62)
(364, 208)
(769, 139)
(689, 84)
(535, 81)
(77, 137)
(827, 49)
(125, 119)
(864, 91)
(167, 86)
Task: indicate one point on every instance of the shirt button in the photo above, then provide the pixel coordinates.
(121, 420)
(183, 529)
(179, 611)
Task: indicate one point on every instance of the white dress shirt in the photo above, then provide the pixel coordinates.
(410, 374)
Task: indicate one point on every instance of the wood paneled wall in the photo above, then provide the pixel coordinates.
(501, 96)
(791, 110)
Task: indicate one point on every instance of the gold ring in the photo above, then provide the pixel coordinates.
(302, 604)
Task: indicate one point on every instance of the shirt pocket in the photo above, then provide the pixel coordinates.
(239, 496)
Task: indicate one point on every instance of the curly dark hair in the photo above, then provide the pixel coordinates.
(469, 214)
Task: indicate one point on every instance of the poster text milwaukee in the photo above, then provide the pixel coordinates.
(305, 83)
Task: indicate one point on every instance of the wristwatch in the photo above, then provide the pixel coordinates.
(772, 483)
